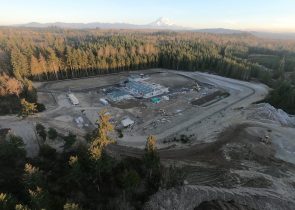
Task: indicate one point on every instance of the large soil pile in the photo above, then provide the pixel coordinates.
(266, 113)
(191, 197)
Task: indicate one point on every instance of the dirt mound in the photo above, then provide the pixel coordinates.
(267, 113)
(190, 197)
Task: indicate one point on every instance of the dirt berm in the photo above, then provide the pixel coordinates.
(193, 197)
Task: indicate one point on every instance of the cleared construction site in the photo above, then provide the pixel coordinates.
(140, 104)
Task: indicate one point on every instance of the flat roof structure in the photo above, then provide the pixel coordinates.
(127, 122)
(145, 89)
(139, 87)
(73, 99)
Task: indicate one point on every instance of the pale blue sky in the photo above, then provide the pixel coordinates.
(241, 14)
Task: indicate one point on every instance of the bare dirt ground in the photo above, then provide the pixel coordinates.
(180, 117)
(238, 162)
(147, 116)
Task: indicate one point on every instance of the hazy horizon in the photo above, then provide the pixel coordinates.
(272, 16)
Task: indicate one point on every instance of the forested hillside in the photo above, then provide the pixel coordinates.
(53, 53)
(49, 54)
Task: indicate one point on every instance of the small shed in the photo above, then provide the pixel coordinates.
(104, 101)
(73, 99)
(156, 100)
(166, 98)
(127, 122)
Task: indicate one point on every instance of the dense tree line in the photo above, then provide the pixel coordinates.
(49, 54)
(207, 56)
(283, 96)
(56, 56)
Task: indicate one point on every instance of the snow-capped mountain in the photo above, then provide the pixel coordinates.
(162, 22)
(165, 23)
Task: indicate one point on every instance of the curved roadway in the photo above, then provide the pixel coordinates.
(242, 94)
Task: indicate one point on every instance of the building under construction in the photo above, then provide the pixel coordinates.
(136, 86)
(119, 95)
(145, 89)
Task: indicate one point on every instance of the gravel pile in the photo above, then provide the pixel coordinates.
(266, 112)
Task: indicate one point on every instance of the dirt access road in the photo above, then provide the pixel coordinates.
(241, 93)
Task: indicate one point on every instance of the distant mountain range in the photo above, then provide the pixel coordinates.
(261, 34)
(93, 25)
(220, 31)
(159, 24)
